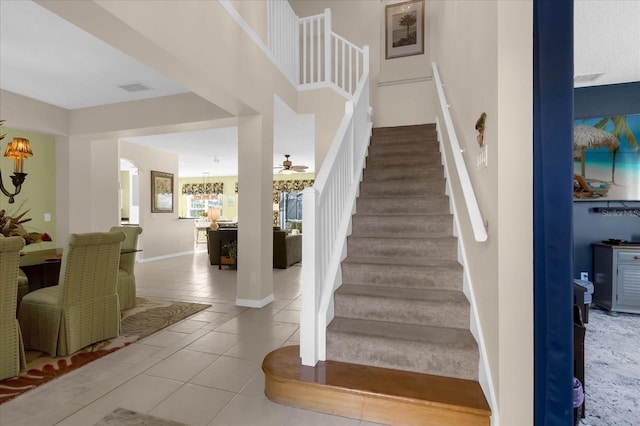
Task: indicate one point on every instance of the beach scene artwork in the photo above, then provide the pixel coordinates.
(606, 158)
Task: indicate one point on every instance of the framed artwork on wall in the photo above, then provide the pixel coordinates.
(404, 29)
(161, 192)
(606, 158)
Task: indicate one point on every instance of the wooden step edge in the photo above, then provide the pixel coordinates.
(373, 394)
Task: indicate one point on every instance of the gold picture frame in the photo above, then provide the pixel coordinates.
(404, 29)
(161, 192)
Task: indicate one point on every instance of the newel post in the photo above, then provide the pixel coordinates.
(310, 284)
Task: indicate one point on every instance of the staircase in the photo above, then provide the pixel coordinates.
(400, 339)
(401, 304)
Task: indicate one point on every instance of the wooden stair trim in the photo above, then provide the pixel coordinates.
(373, 394)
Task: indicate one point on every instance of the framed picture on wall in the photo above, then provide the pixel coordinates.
(161, 192)
(606, 158)
(404, 29)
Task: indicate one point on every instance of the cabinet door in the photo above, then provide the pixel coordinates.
(628, 286)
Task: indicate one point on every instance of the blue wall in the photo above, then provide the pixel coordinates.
(588, 226)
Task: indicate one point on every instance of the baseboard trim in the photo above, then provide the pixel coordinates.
(166, 256)
(253, 303)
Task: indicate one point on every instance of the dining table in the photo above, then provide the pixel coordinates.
(42, 267)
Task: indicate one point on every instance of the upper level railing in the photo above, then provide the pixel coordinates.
(475, 217)
(311, 54)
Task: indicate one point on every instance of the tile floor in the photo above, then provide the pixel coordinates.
(204, 370)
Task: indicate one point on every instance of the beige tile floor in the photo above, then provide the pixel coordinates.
(204, 370)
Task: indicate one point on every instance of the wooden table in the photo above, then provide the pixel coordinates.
(41, 267)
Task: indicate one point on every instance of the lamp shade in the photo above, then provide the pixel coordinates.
(18, 148)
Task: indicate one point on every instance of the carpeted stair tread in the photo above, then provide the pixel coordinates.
(436, 247)
(388, 205)
(450, 352)
(402, 172)
(405, 225)
(434, 307)
(426, 262)
(400, 188)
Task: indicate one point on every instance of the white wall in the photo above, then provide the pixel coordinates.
(163, 233)
(484, 53)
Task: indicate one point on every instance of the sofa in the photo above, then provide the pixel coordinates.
(287, 248)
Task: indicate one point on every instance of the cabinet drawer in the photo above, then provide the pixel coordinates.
(629, 256)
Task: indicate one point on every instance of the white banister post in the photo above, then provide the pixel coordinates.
(327, 45)
(310, 286)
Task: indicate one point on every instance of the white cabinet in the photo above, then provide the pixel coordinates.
(616, 277)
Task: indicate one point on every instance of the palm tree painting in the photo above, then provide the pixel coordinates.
(408, 20)
(606, 153)
(404, 28)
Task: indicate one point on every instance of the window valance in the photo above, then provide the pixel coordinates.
(202, 188)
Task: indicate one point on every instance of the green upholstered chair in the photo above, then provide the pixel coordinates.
(12, 357)
(126, 278)
(83, 308)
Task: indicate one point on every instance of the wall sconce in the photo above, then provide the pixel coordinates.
(480, 128)
(18, 149)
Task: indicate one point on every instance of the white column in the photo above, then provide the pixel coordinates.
(255, 229)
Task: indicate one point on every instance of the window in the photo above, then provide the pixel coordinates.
(197, 206)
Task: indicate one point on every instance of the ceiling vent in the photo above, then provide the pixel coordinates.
(134, 87)
(587, 78)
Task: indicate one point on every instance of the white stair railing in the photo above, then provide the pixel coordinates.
(475, 216)
(312, 55)
(327, 209)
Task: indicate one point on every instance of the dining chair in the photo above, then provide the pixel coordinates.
(83, 308)
(12, 357)
(126, 278)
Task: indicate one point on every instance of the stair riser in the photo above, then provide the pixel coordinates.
(452, 314)
(407, 150)
(381, 161)
(436, 277)
(421, 357)
(409, 206)
(435, 248)
(402, 226)
(402, 172)
(420, 130)
(424, 188)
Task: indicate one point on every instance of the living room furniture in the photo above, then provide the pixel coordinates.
(616, 277)
(83, 308)
(226, 237)
(287, 247)
(126, 279)
(12, 357)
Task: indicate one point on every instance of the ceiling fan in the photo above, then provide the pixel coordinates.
(287, 166)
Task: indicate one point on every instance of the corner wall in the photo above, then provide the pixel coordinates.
(484, 54)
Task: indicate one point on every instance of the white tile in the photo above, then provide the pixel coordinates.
(182, 365)
(251, 410)
(287, 315)
(141, 394)
(81, 418)
(254, 348)
(163, 338)
(193, 405)
(36, 415)
(255, 386)
(227, 373)
(215, 342)
(312, 418)
(186, 326)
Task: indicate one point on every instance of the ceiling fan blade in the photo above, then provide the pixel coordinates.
(299, 168)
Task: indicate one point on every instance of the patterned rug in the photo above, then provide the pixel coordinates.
(146, 318)
(121, 416)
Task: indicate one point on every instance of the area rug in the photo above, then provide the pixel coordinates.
(121, 416)
(148, 317)
(612, 369)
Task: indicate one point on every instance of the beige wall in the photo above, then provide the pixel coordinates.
(484, 53)
(401, 88)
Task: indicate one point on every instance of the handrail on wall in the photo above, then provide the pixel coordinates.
(475, 216)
